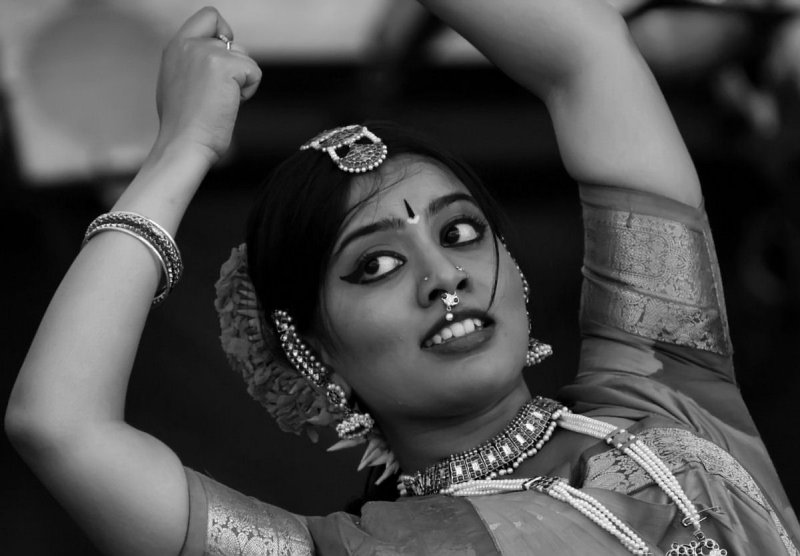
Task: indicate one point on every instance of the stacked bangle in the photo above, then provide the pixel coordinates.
(153, 236)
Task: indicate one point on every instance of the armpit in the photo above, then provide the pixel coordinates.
(653, 276)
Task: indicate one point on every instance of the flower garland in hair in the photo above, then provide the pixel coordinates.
(253, 351)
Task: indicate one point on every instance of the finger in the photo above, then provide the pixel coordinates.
(223, 28)
(238, 48)
(248, 79)
(205, 23)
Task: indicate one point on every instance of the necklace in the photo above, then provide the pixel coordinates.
(500, 455)
(462, 475)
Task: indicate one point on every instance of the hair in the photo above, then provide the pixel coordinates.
(297, 218)
(301, 209)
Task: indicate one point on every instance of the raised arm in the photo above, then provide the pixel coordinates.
(125, 488)
(611, 121)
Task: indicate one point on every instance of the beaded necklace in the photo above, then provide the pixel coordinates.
(500, 455)
(474, 473)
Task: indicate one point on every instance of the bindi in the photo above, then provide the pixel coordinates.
(412, 218)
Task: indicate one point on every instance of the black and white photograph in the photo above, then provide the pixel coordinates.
(400, 277)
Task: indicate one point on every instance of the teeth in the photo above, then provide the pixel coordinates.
(455, 330)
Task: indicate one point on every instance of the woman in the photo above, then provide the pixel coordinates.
(412, 322)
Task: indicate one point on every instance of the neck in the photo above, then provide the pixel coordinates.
(419, 443)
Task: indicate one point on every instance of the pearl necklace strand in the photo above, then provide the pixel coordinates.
(557, 488)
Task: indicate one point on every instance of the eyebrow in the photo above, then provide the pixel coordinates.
(393, 223)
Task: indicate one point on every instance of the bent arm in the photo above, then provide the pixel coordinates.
(126, 489)
(66, 414)
(611, 121)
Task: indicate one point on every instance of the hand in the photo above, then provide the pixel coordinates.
(200, 86)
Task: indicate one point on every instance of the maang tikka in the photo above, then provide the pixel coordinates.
(354, 425)
(345, 149)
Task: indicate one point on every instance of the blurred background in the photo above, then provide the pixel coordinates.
(77, 116)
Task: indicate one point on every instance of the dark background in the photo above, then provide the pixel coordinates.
(182, 390)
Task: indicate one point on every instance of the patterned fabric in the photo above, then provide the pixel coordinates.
(238, 525)
(655, 278)
(656, 352)
(613, 470)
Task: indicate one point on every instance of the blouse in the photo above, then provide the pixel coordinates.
(655, 350)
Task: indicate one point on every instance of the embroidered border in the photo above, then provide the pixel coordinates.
(655, 278)
(612, 470)
(240, 525)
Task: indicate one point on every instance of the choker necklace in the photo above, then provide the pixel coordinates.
(498, 456)
(475, 472)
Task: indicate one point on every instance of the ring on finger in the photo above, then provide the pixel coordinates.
(224, 38)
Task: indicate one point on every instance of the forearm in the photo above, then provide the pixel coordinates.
(542, 44)
(611, 121)
(77, 368)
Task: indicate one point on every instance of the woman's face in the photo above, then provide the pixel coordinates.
(386, 330)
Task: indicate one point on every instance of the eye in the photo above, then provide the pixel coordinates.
(463, 231)
(373, 267)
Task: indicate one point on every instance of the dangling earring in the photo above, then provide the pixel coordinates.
(354, 425)
(537, 351)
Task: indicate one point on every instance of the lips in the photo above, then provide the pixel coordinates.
(464, 325)
(453, 331)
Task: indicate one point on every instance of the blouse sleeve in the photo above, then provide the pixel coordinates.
(224, 522)
(650, 271)
(655, 331)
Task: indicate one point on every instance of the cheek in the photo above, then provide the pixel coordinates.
(368, 328)
(511, 298)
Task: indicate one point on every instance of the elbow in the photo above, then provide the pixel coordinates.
(19, 428)
(30, 433)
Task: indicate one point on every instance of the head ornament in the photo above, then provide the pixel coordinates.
(353, 148)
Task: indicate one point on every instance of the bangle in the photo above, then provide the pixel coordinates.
(153, 236)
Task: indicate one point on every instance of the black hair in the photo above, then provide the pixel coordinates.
(301, 208)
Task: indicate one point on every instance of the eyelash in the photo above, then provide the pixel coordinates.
(358, 275)
(480, 225)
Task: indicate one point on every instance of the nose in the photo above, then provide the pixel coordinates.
(443, 276)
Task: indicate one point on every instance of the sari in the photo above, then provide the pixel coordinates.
(655, 350)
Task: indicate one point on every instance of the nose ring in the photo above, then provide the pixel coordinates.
(450, 300)
(460, 269)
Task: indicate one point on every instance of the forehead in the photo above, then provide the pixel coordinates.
(415, 179)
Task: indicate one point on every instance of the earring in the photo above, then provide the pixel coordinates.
(354, 424)
(537, 351)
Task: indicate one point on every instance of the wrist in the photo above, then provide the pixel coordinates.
(183, 152)
(166, 183)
